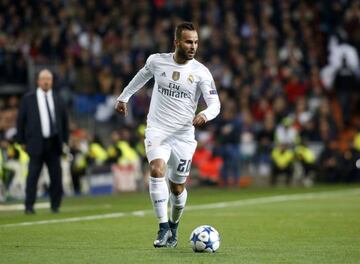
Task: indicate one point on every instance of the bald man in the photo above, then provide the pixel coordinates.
(42, 126)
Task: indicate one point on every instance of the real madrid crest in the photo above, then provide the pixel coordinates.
(190, 79)
(175, 75)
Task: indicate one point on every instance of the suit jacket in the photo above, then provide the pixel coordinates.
(29, 125)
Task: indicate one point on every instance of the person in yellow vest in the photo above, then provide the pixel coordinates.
(113, 152)
(2, 170)
(140, 145)
(97, 154)
(129, 154)
(120, 151)
(17, 152)
(307, 159)
(353, 174)
(12, 173)
(3, 156)
(282, 159)
(18, 161)
(78, 163)
(125, 156)
(6, 174)
(140, 149)
(356, 143)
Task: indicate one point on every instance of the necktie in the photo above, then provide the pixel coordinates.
(51, 120)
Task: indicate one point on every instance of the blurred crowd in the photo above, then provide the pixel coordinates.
(287, 73)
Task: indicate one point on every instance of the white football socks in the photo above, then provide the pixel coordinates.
(177, 205)
(159, 193)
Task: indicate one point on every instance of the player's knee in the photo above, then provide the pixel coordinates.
(157, 168)
(177, 192)
(177, 189)
(156, 171)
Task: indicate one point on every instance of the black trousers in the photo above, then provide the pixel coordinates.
(51, 157)
(276, 171)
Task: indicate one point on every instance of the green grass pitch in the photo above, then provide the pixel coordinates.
(257, 225)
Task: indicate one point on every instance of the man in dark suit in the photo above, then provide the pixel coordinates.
(42, 126)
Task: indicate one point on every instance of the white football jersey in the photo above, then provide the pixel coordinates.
(176, 92)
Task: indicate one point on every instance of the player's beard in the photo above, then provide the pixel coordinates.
(184, 55)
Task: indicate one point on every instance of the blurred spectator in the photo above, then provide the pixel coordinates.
(79, 161)
(265, 139)
(282, 163)
(247, 143)
(207, 164)
(280, 109)
(97, 154)
(306, 157)
(273, 56)
(105, 111)
(345, 85)
(354, 172)
(285, 133)
(121, 151)
(91, 42)
(260, 109)
(17, 162)
(301, 114)
(5, 173)
(325, 121)
(140, 104)
(295, 88)
(228, 139)
(330, 164)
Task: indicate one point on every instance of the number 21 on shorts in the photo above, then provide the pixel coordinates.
(184, 165)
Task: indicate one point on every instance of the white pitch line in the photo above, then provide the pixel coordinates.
(16, 207)
(46, 205)
(253, 201)
(273, 199)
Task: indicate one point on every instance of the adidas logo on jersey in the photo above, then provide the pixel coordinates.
(163, 74)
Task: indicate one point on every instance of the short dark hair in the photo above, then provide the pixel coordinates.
(183, 26)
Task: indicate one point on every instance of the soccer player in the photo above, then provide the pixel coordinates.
(169, 137)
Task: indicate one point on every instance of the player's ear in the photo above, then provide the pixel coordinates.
(176, 42)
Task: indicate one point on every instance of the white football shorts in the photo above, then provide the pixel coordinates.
(176, 150)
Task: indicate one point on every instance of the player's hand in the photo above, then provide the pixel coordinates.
(121, 108)
(199, 119)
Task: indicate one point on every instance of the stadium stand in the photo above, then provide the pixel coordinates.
(275, 61)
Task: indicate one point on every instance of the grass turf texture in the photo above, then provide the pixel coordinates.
(323, 229)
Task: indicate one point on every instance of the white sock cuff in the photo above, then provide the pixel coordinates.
(180, 199)
(156, 180)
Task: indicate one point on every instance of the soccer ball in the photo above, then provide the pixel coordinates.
(205, 238)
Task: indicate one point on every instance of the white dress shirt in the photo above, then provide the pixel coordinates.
(44, 116)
